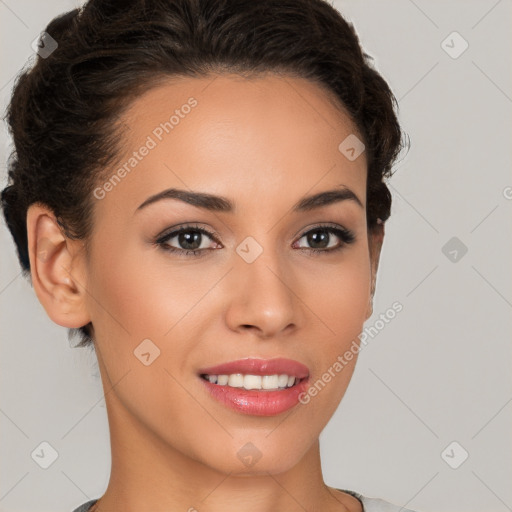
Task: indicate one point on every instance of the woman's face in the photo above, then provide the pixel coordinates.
(254, 289)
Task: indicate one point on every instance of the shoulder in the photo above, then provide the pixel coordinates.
(85, 507)
(376, 504)
(379, 505)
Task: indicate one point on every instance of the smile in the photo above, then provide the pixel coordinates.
(248, 381)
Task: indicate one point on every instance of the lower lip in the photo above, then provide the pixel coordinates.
(256, 402)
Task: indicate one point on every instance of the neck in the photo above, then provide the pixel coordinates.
(149, 474)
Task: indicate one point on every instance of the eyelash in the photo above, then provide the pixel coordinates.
(346, 235)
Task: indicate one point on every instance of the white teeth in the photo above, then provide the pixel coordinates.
(282, 381)
(269, 381)
(236, 380)
(265, 382)
(252, 382)
(222, 380)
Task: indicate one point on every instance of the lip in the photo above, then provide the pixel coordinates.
(253, 401)
(278, 365)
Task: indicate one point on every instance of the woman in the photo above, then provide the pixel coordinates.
(197, 192)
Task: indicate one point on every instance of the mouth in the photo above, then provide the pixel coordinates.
(259, 387)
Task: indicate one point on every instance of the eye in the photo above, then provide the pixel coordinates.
(189, 240)
(321, 236)
(192, 240)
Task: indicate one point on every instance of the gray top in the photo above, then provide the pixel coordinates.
(369, 504)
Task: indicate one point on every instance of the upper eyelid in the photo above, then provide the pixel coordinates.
(321, 225)
(173, 231)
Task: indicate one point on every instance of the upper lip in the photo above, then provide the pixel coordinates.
(253, 366)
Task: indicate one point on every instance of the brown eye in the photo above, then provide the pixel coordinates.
(320, 239)
(190, 241)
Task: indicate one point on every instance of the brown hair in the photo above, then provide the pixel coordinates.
(63, 111)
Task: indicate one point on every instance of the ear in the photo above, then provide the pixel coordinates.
(375, 240)
(56, 268)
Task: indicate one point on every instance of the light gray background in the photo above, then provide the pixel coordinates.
(439, 372)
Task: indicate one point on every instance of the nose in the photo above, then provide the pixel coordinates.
(261, 297)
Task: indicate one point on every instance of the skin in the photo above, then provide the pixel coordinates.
(264, 143)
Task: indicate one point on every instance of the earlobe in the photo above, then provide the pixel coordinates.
(56, 274)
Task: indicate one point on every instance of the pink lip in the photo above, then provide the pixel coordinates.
(252, 366)
(256, 402)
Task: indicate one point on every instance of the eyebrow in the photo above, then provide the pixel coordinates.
(223, 204)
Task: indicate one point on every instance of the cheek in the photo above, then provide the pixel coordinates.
(137, 294)
(339, 295)
(131, 294)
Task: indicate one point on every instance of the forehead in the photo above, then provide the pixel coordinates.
(244, 137)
